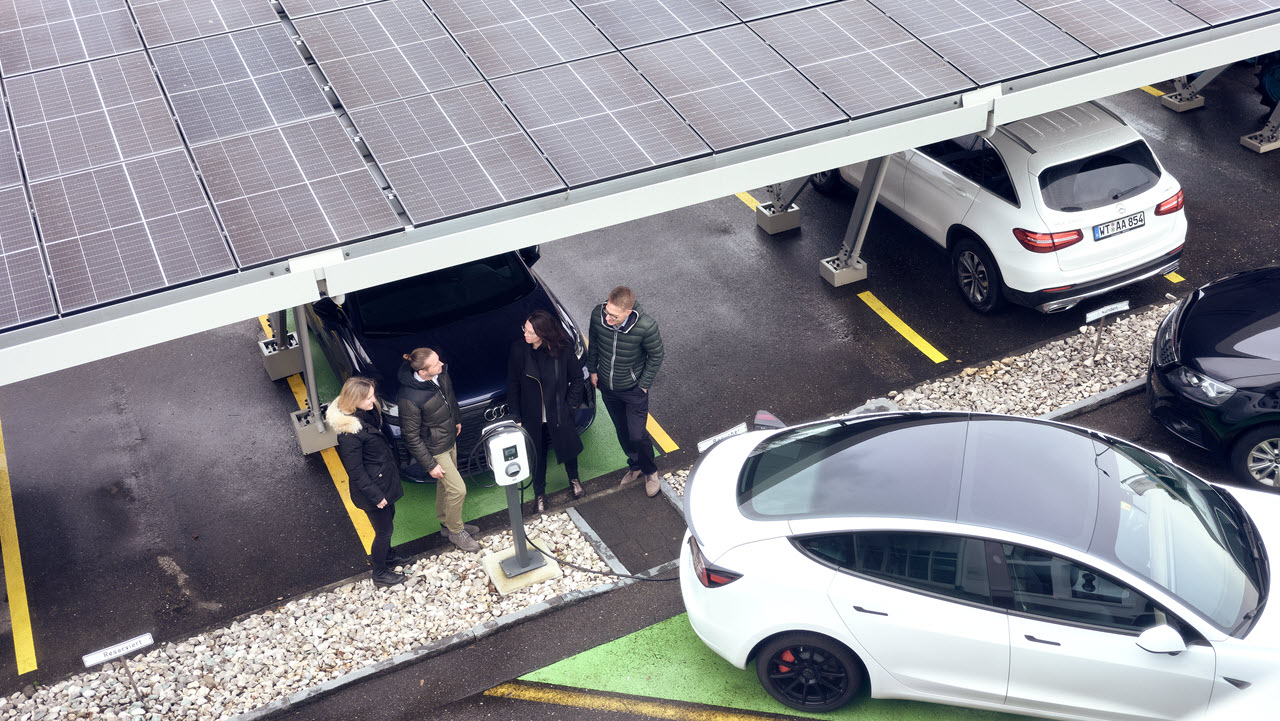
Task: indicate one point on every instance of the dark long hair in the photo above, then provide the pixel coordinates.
(548, 329)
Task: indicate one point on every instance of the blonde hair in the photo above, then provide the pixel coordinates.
(356, 389)
(418, 357)
(623, 297)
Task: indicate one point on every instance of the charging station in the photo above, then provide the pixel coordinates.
(509, 450)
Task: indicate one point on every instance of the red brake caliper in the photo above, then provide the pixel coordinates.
(786, 656)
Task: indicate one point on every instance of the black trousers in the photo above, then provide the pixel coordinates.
(540, 465)
(629, 410)
(380, 519)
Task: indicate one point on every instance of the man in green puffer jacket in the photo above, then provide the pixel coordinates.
(623, 357)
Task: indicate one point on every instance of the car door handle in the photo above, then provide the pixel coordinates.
(1029, 637)
(860, 609)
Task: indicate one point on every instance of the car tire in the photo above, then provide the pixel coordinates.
(826, 182)
(1255, 456)
(809, 672)
(977, 275)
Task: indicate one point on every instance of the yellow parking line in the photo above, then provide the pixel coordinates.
(19, 615)
(632, 706)
(664, 441)
(331, 461)
(1175, 278)
(750, 201)
(901, 327)
(1154, 91)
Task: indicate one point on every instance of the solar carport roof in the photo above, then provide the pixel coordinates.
(167, 166)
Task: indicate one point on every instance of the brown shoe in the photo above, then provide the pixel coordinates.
(464, 541)
(631, 475)
(576, 489)
(652, 485)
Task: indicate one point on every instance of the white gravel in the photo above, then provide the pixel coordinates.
(313, 639)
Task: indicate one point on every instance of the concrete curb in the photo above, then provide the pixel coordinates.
(594, 539)
(675, 498)
(1096, 401)
(444, 645)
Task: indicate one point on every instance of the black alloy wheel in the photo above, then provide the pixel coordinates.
(1255, 456)
(976, 275)
(809, 672)
(826, 181)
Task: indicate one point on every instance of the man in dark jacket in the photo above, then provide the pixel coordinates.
(430, 421)
(623, 357)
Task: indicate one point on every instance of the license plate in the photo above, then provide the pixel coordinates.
(1115, 227)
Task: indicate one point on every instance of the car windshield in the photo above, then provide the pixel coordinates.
(1101, 179)
(1182, 535)
(442, 296)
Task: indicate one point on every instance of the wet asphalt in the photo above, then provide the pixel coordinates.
(162, 491)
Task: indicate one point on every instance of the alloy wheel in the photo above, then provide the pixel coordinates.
(1263, 462)
(974, 281)
(808, 675)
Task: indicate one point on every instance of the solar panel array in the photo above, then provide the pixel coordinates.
(152, 143)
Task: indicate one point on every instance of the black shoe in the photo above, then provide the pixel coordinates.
(387, 577)
(575, 488)
(540, 504)
(395, 558)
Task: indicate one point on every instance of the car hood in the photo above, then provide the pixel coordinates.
(475, 347)
(1231, 331)
(1264, 509)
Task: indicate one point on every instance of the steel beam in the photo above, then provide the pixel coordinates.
(847, 266)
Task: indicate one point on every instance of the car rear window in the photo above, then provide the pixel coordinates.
(443, 296)
(1101, 179)
(890, 465)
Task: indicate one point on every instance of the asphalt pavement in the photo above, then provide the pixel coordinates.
(163, 490)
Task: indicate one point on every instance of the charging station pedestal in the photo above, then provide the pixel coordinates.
(507, 451)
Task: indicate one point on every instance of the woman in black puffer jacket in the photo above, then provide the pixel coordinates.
(372, 467)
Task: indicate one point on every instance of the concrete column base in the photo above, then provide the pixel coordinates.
(838, 276)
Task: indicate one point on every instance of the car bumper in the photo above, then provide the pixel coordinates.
(702, 613)
(1053, 301)
(1191, 421)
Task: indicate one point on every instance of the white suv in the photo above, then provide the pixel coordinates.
(1046, 212)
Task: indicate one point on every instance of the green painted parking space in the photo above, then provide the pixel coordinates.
(667, 661)
(416, 512)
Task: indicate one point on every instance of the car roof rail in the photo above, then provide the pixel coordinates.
(1015, 138)
(1108, 111)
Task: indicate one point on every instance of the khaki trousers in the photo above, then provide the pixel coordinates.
(451, 491)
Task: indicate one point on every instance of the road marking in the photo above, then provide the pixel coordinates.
(1175, 278)
(901, 327)
(750, 201)
(1154, 91)
(19, 615)
(664, 441)
(331, 461)
(601, 702)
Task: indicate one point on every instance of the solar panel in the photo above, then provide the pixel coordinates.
(752, 9)
(25, 295)
(10, 173)
(299, 8)
(1109, 25)
(732, 87)
(171, 21)
(231, 84)
(126, 229)
(860, 58)
(508, 36)
(454, 152)
(39, 34)
(597, 118)
(79, 117)
(988, 40)
(1217, 12)
(293, 189)
(636, 22)
(386, 51)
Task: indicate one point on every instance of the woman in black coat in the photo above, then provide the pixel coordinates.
(544, 386)
(372, 467)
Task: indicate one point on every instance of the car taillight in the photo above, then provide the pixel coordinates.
(1047, 242)
(1172, 205)
(709, 575)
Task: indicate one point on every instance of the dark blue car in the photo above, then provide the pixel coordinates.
(470, 314)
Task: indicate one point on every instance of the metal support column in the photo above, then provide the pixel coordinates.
(1186, 93)
(847, 266)
(308, 423)
(1268, 138)
(280, 353)
(781, 214)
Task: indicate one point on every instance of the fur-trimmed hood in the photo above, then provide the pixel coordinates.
(342, 422)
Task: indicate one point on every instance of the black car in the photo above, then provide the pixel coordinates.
(1214, 378)
(470, 314)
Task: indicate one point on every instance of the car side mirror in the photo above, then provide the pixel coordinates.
(1162, 639)
(530, 255)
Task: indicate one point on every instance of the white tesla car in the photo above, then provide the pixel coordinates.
(979, 560)
(1046, 212)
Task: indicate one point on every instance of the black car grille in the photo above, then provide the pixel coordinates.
(1165, 353)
